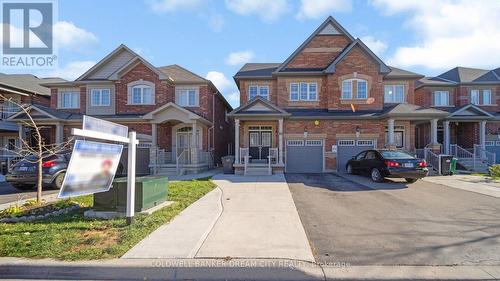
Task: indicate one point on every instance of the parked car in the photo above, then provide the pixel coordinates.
(379, 164)
(23, 174)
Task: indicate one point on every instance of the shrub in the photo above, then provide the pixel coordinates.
(495, 171)
(11, 211)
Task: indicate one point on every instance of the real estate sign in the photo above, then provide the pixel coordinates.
(91, 169)
(103, 126)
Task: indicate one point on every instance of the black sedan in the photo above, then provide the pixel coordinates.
(379, 164)
(23, 174)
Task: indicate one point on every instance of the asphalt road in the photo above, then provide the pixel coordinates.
(10, 194)
(396, 223)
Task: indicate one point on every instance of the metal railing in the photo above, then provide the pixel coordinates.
(433, 159)
(463, 154)
(8, 109)
(484, 155)
(181, 160)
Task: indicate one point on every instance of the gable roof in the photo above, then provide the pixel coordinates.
(329, 27)
(257, 70)
(471, 110)
(401, 73)
(258, 106)
(179, 74)
(413, 111)
(492, 76)
(121, 62)
(383, 68)
(26, 84)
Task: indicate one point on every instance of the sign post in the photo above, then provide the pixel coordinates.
(104, 130)
(131, 178)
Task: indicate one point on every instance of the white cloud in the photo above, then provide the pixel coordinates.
(226, 86)
(68, 35)
(70, 71)
(449, 33)
(320, 8)
(377, 46)
(241, 57)
(267, 10)
(163, 6)
(216, 22)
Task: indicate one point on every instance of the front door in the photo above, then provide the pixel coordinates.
(259, 144)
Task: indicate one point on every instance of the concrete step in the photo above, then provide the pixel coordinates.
(257, 171)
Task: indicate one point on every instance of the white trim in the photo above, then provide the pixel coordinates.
(60, 104)
(440, 92)
(394, 93)
(299, 87)
(101, 95)
(342, 90)
(258, 91)
(143, 84)
(187, 90)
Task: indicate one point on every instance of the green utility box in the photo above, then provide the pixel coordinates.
(453, 167)
(150, 191)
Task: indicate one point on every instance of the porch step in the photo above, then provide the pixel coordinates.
(257, 171)
(474, 165)
(169, 171)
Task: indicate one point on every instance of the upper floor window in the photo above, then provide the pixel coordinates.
(478, 99)
(187, 97)
(100, 97)
(441, 98)
(304, 91)
(258, 90)
(394, 94)
(69, 99)
(141, 94)
(349, 92)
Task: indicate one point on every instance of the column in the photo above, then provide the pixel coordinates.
(446, 127)
(280, 140)
(435, 146)
(59, 133)
(21, 134)
(154, 135)
(153, 156)
(482, 134)
(390, 131)
(194, 147)
(237, 141)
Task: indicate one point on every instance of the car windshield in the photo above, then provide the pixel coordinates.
(396, 155)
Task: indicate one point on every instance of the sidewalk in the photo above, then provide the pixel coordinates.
(257, 219)
(478, 184)
(235, 269)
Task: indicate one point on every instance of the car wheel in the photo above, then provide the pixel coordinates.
(58, 181)
(410, 180)
(349, 169)
(376, 175)
(23, 186)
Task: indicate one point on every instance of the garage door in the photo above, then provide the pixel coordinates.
(304, 156)
(346, 149)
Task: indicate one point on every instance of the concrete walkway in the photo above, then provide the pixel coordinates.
(478, 184)
(257, 219)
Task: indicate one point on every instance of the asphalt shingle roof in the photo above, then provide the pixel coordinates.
(463, 74)
(181, 75)
(257, 70)
(27, 83)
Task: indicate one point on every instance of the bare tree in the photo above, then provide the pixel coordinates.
(39, 149)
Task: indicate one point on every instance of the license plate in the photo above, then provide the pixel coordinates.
(23, 169)
(408, 165)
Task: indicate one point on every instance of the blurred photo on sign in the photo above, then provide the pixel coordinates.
(91, 169)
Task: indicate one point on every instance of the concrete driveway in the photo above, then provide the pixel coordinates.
(395, 223)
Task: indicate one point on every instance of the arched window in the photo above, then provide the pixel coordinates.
(141, 92)
(354, 89)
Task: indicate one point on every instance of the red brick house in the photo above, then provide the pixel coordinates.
(471, 97)
(180, 117)
(330, 99)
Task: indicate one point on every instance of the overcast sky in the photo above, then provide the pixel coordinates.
(214, 38)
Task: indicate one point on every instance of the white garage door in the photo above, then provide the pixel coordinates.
(304, 156)
(346, 149)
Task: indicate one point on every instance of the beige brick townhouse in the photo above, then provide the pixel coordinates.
(180, 117)
(331, 98)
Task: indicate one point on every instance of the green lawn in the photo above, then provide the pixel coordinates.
(72, 237)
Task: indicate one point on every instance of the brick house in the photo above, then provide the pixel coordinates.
(471, 97)
(330, 99)
(180, 117)
(19, 89)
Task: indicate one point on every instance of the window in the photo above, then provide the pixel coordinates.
(489, 143)
(69, 99)
(295, 142)
(361, 89)
(303, 91)
(187, 97)
(346, 142)
(441, 98)
(365, 143)
(100, 97)
(361, 156)
(361, 92)
(347, 89)
(258, 90)
(314, 143)
(487, 97)
(474, 97)
(141, 94)
(394, 94)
